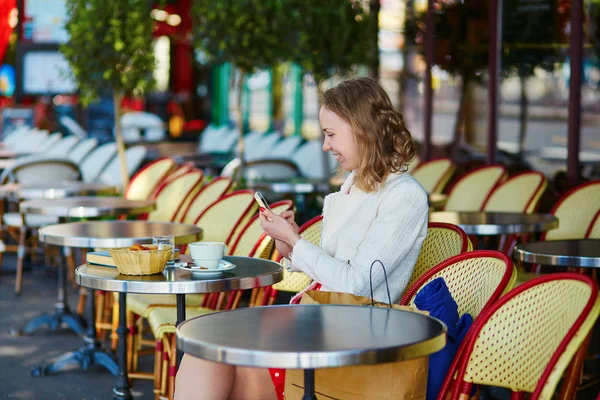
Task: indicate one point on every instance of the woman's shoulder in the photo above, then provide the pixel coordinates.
(405, 183)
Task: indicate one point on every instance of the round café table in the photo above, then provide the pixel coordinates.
(106, 234)
(582, 253)
(310, 337)
(485, 223)
(249, 273)
(56, 190)
(87, 207)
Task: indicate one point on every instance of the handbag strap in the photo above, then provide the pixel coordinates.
(386, 283)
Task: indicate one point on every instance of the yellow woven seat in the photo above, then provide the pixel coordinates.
(520, 193)
(434, 175)
(141, 304)
(442, 242)
(205, 197)
(470, 192)
(174, 195)
(527, 339)
(146, 180)
(162, 319)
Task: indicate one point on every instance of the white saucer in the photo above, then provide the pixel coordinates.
(223, 266)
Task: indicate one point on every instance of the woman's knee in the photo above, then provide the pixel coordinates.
(199, 379)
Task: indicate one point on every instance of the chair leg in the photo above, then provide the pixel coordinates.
(130, 335)
(83, 293)
(253, 295)
(114, 338)
(220, 300)
(236, 301)
(172, 368)
(99, 310)
(158, 361)
(165, 367)
(572, 375)
(20, 260)
(71, 267)
(1, 256)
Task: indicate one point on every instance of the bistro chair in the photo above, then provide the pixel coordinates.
(503, 349)
(434, 175)
(285, 148)
(82, 149)
(310, 160)
(143, 184)
(593, 231)
(470, 192)
(442, 242)
(173, 196)
(205, 197)
(223, 219)
(93, 164)
(62, 148)
(111, 174)
(292, 281)
(475, 280)
(412, 166)
(575, 210)
(520, 193)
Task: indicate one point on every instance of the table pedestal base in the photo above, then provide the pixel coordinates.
(54, 321)
(309, 385)
(83, 358)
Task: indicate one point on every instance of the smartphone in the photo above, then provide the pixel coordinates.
(261, 200)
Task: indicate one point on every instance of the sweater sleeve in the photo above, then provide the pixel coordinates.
(396, 229)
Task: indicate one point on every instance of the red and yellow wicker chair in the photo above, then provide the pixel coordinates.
(526, 340)
(210, 193)
(475, 279)
(470, 192)
(442, 242)
(593, 231)
(174, 195)
(434, 175)
(143, 184)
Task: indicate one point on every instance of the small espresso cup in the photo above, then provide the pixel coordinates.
(207, 254)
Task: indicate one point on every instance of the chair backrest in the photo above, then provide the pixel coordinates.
(442, 242)
(31, 141)
(475, 279)
(271, 169)
(73, 127)
(44, 171)
(226, 141)
(49, 142)
(520, 193)
(526, 340)
(434, 175)
(471, 190)
(134, 156)
(62, 148)
(262, 147)
(593, 231)
(205, 197)
(94, 163)
(250, 237)
(309, 159)
(210, 137)
(225, 217)
(82, 149)
(284, 148)
(180, 170)
(133, 122)
(146, 180)
(574, 210)
(297, 281)
(174, 195)
(412, 166)
(230, 169)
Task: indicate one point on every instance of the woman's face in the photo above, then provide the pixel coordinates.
(339, 139)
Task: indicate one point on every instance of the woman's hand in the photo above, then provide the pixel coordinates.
(280, 228)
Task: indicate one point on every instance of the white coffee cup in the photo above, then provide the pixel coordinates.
(207, 254)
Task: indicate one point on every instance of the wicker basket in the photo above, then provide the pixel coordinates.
(141, 262)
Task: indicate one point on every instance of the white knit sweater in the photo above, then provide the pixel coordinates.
(389, 225)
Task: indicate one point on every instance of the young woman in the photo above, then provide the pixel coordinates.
(380, 213)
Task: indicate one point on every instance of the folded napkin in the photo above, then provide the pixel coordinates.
(436, 298)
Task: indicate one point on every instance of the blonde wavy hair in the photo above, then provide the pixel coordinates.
(385, 145)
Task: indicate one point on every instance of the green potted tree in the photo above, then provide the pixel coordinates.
(250, 35)
(110, 50)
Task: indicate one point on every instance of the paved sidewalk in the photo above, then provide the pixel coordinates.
(19, 354)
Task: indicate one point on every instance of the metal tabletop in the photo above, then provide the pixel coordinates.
(564, 253)
(249, 273)
(116, 233)
(311, 336)
(56, 190)
(87, 207)
(292, 187)
(496, 223)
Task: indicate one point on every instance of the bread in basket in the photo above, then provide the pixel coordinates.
(150, 260)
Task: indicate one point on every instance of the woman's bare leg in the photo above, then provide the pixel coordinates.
(199, 379)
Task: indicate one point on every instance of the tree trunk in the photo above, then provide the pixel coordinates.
(523, 112)
(117, 98)
(240, 124)
(325, 158)
(374, 7)
(460, 115)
